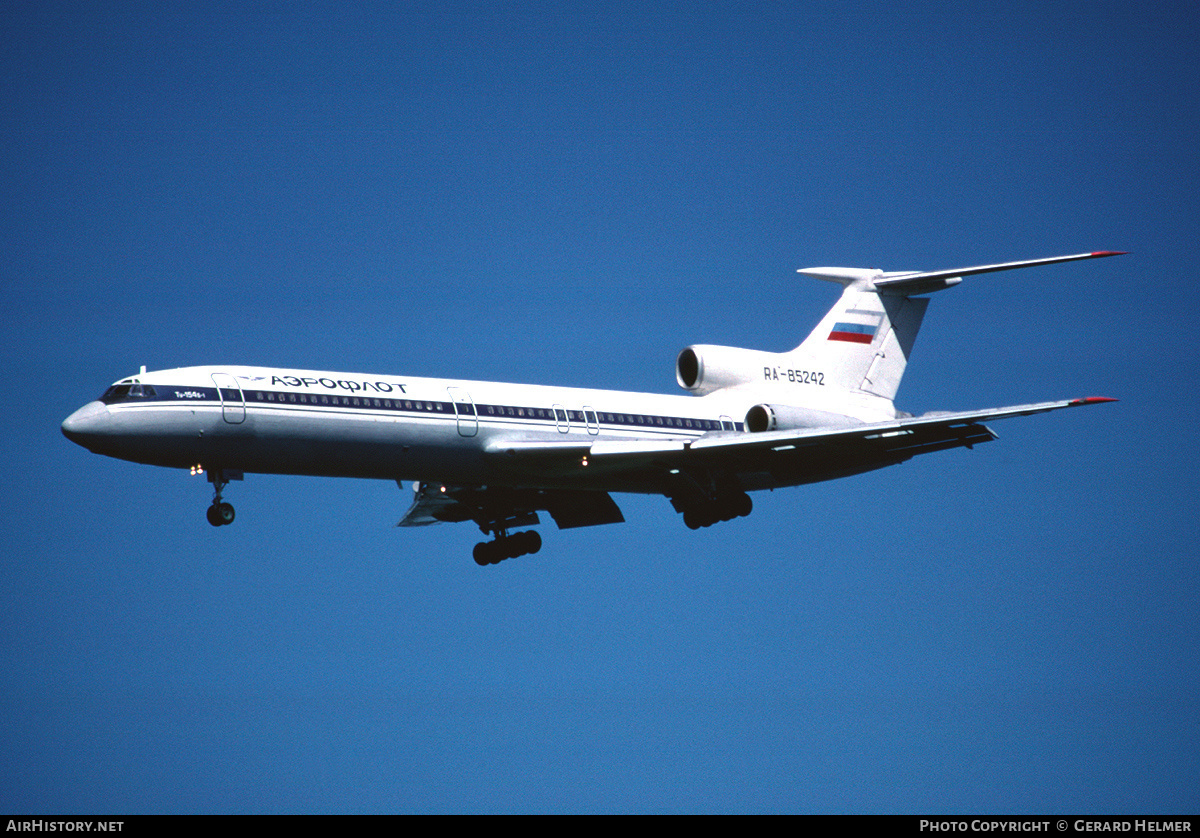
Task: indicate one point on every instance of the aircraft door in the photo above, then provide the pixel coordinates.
(464, 409)
(562, 419)
(233, 402)
(591, 420)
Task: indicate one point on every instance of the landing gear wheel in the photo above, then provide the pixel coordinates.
(706, 512)
(483, 553)
(220, 514)
(507, 547)
(743, 506)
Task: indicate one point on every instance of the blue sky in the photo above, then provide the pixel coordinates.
(566, 194)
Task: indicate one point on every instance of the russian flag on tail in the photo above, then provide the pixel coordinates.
(853, 332)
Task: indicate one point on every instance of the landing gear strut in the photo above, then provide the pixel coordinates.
(507, 546)
(220, 513)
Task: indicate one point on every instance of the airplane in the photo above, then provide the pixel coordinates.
(498, 454)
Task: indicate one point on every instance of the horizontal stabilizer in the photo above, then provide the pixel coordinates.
(929, 281)
(924, 282)
(842, 276)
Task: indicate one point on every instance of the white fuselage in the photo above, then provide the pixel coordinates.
(282, 421)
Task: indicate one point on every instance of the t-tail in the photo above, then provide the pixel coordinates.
(860, 349)
(863, 344)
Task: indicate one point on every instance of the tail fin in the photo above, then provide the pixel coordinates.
(863, 343)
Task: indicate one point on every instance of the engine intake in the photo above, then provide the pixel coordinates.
(703, 369)
(774, 417)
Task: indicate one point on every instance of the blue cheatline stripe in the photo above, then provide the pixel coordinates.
(160, 394)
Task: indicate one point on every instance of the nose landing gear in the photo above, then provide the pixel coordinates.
(221, 513)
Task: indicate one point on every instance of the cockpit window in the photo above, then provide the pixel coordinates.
(115, 393)
(125, 390)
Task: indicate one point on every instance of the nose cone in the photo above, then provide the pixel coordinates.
(86, 425)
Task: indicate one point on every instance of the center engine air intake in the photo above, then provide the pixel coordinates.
(703, 369)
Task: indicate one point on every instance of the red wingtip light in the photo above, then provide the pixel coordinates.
(1092, 400)
(1109, 252)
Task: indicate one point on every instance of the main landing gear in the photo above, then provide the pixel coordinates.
(710, 511)
(705, 499)
(220, 513)
(507, 546)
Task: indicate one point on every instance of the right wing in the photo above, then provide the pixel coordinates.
(796, 456)
(790, 457)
